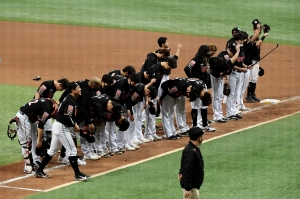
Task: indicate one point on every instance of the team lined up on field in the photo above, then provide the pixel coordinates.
(109, 113)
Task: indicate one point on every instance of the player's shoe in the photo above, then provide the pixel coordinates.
(81, 177)
(173, 137)
(135, 146)
(208, 129)
(129, 148)
(178, 136)
(249, 99)
(150, 137)
(255, 98)
(232, 117)
(144, 140)
(184, 134)
(137, 142)
(90, 157)
(221, 120)
(81, 162)
(41, 174)
(244, 109)
(63, 160)
(156, 137)
(103, 154)
(238, 116)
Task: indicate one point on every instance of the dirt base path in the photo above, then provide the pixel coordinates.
(77, 53)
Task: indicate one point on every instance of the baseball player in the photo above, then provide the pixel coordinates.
(234, 31)
(221, 66)
(111, 111)
(202, 102)
(31, 118)
(198, 67)
(47, 89)
(159, 71)
(88, 89)
(118, 93)
(234, 77)
(139, 93)
(61, 133)
(255, 56)
(126, 71)
(170, 90)
(247, 45)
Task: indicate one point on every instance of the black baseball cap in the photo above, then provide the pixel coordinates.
(231, 47)
(235, 30)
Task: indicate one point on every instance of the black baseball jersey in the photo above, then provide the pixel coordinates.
(174, 87)
(119, 91)
(47, 89)
(196, 83)
(240, 60)
(255, 51)
(67, 111)
(248, 49)
(114, 72)
(156, 71)
(198, 68)
(105, 114)
(84, 100)
(143, 79)
(38, 110)
(150, 61)
(135, 95)
(225, 68)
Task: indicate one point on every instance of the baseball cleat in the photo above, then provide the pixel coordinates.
(238, 116)
(249, 99)
(82, 177)
(232, 117)
(41, 174)
(173, 137)
(255, 98)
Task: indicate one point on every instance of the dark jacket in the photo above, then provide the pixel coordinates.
(191, 168)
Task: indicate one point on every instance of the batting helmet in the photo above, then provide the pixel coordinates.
(152, 108)
(123, 125)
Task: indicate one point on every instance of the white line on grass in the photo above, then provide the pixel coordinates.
(148, 159)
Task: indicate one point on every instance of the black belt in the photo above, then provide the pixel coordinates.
(236, 71)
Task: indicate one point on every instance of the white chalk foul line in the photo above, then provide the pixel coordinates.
(20, 188)
(29, 175)
(154, 157)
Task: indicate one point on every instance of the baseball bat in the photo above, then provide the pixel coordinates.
(265, 55)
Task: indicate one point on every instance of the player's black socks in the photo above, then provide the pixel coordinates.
(253, 89)
(44, 162)
(157, 109)
(194, 116)
(204, 116)
(75, 141)
(63, 152)
(74, 163)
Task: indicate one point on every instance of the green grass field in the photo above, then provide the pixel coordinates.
(213, 18)
(257, 163)
(262, 162)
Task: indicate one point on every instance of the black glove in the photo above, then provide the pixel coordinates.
(226, 90)
(261, 71)
(266, 28)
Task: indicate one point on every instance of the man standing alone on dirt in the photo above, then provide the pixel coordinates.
(191, 172)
